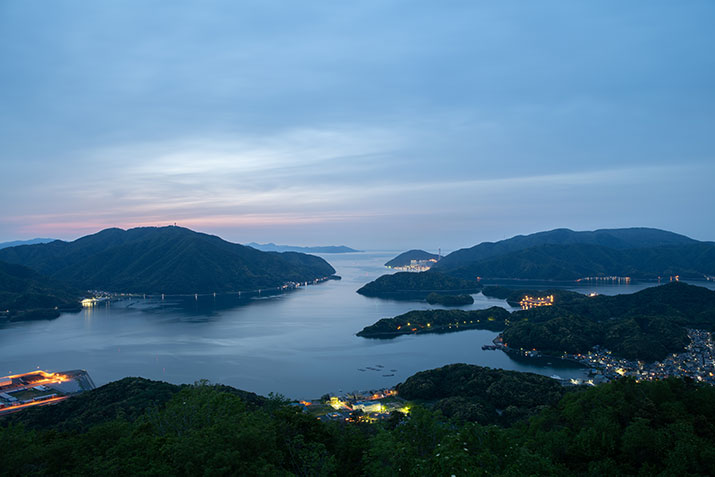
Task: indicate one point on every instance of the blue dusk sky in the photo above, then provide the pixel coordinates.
(372, 124)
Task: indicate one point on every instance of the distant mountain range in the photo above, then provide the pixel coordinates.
(172, 260)
(271, 247)
(563, 254)
(405, 258)
(25, 294)
(34, 241)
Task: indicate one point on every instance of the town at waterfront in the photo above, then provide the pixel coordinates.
(696, 362)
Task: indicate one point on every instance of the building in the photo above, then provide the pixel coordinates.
(533, 301)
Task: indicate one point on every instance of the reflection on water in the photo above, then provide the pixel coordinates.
(301, 343)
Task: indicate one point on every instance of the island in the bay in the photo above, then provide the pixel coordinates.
(40, 280)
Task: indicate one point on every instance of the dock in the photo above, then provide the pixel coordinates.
(41, 388)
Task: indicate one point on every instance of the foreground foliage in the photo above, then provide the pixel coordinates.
(150, 428)
(480, 394)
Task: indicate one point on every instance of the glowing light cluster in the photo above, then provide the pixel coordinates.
(533, 301)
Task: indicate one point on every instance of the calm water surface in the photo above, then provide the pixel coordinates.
(301, 344)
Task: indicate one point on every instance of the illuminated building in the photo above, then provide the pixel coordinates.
(533, 301)
(417, 265)
(40, 388)
(368, 406)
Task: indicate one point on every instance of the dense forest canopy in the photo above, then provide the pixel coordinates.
(135, 426)
(486, 395)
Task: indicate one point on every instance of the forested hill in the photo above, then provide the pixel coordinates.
(620, 239)
(168, 260)
(647, 325)
(476, 393)
(563, 254)
(140, 427)
(25, 294)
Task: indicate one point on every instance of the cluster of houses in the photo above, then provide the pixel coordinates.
(368, 407)
(697, 362)
(417, 265)
(529, 302)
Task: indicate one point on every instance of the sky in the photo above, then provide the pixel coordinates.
(378, 125)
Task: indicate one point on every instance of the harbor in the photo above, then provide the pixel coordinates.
(41, 388)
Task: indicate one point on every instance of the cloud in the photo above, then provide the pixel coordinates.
(276, 182)
(370, 117)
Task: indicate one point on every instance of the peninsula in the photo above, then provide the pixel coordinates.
(171, 260)
(438, 321)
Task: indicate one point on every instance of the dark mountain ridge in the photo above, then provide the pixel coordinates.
(563, 254)
(575, 261)
(635, 237)
(172, 260)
